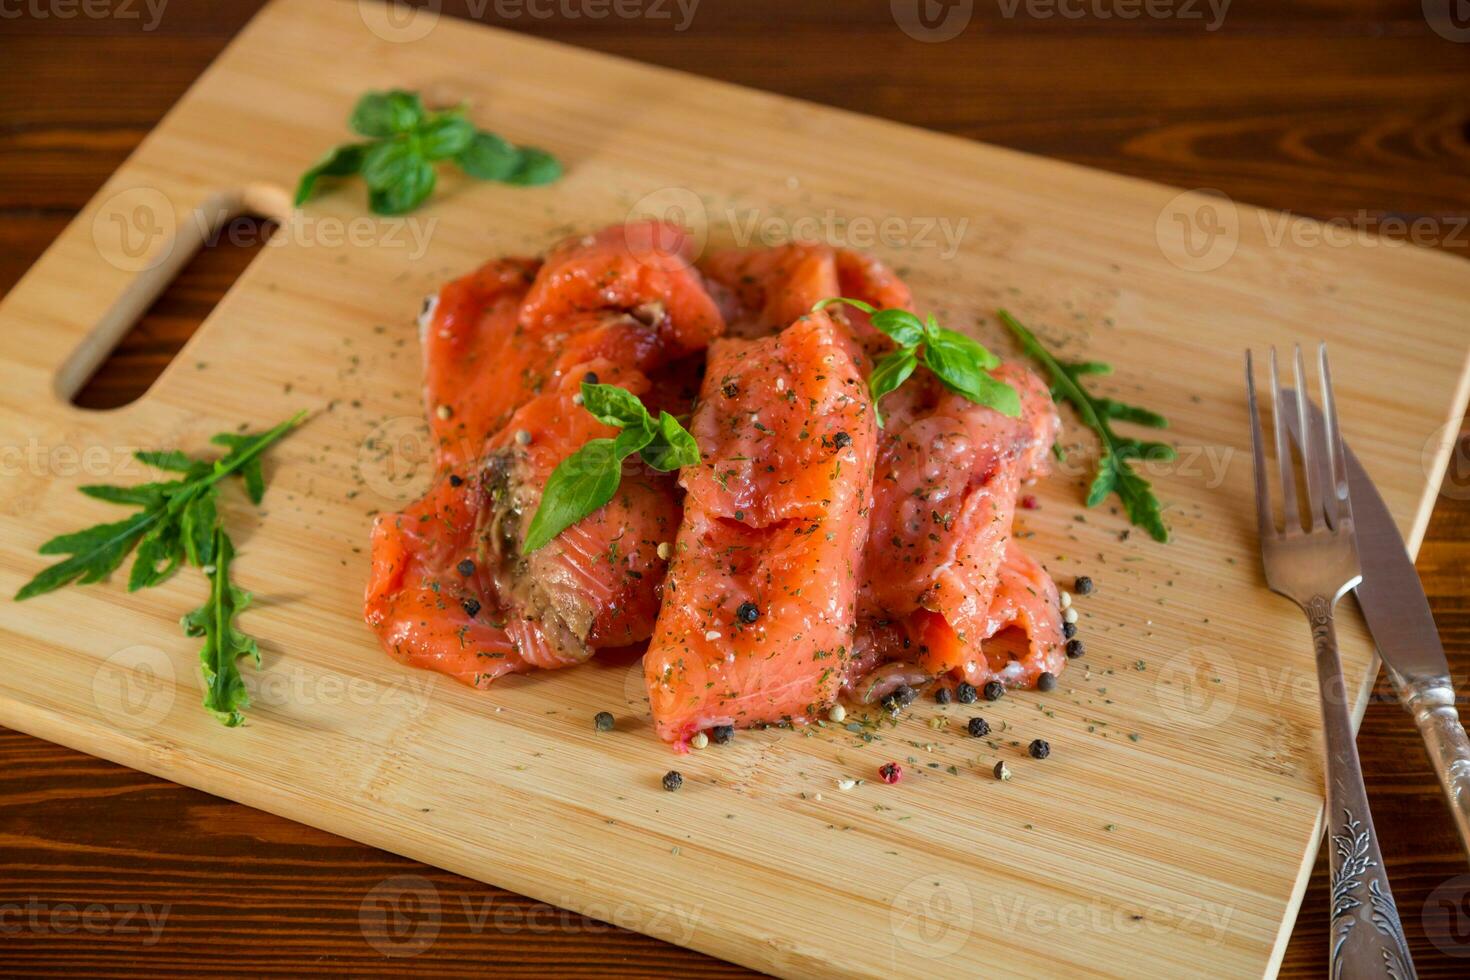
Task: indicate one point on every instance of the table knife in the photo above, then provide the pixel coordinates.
(1392, 599)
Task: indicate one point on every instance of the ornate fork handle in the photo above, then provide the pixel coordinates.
(1367, 940)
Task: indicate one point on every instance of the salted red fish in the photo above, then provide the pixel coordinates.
(760, 603)
(505, 350)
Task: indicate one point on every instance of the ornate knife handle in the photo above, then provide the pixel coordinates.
(1431, 700)
(1366, 938)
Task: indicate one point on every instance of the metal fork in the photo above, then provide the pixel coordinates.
(1314, 564)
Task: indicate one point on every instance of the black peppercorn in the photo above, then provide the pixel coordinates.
(978, 727)
(965, 693)
(471, 606)
(603, 721)
(590, 378)
(1046, 682)
(1039, 749)
(1075, 649)
(455, 480)
(842, 440)
(994, 690)
(466, 567)
(673, 779)
(1069, 630)
(721, 734)
(1083, 585)
(731, 390)
(900, 697)
(943, 696)
(748, 612)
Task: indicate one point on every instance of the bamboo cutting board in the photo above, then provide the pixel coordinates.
(1171, 831)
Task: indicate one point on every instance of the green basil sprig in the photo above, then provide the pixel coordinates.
(406, 140)
(958, 361)
(589, 477)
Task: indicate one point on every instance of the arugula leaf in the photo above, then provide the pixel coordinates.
(224, 644)
(96, 553)
(588, 478)
(1114, 474)
(958, 361)
(404, 142)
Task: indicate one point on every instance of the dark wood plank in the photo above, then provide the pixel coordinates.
(1348, 109)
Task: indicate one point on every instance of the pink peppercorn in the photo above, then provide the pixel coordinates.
(1028, 502)
(890, 772)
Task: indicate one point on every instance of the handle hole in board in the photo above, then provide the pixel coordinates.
(165, 304)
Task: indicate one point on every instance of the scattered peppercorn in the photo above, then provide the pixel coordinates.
(673, 779)
(900, 697)
(1002, 771)
(748, 612)
(1069, 630)
(1039, 749)
(455, 480)
(721, 734)
(731, 390)
(1075, 649)
(1028, 502)
(994, 690)
(590, 378)
(890, 772)
(837, 714)
(523, 437)
(1046, 682)
(603, 721)
(978, 727)
(943, 696)
(466, 567)
(1083, 585)
(842, 440)
(699, 741)
(965, 693)
(471, 606)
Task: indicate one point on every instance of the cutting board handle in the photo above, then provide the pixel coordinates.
(113, 260)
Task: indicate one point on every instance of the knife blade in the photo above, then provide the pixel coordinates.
(1397, 611)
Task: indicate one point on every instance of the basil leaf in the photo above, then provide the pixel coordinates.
(445, 136)
(389, 162)
(582, 483)
(488, 157)
(905, 328)
(612, 405)
(892, 370)
(957, 345)
(672, 447)
(343, 161)
(383, 114)
(411, 190)
(535, 167)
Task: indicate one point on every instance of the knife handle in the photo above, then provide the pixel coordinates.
(1431, 700)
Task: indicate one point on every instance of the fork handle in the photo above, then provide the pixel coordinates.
(1431, 700)
(1366, 937)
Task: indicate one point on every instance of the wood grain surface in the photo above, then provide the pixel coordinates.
(1355, 111)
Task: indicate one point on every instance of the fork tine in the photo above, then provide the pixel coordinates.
(1342, 509)
(1314, 452)
(1264, 517)
(1291, 521)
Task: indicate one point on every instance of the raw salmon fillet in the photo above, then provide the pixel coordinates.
(505, 350)
(760, 604)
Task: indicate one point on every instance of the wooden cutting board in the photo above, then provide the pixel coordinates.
(1173, 827)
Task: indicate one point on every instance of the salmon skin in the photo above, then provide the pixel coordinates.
(760, 604)
(505, 351)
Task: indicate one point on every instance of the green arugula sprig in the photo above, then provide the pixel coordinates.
(404, 142)
(958, 361)
(1114, 474)
(177, 522)
(589, 477)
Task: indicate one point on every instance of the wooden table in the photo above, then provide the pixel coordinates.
(1355, 110)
